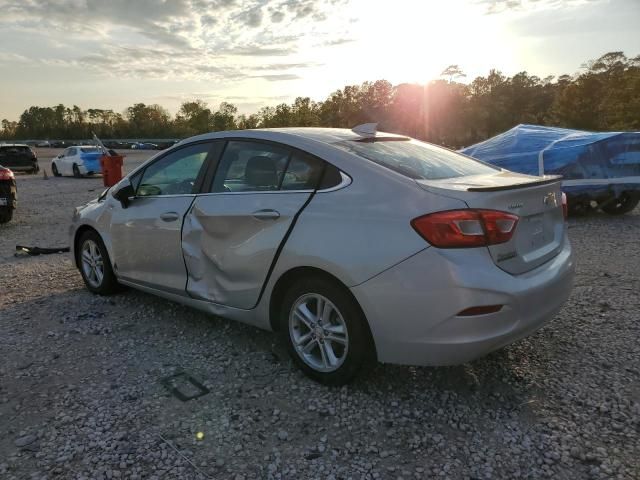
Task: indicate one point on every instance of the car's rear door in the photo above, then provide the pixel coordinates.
(231, 235)
(146, 234)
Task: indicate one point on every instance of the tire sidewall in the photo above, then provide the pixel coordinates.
(360, 348)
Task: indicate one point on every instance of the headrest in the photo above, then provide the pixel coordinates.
(261, 172)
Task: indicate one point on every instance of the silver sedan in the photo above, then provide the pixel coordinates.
(356, 246)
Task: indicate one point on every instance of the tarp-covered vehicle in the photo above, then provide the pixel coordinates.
(601, 167)
(8, 194)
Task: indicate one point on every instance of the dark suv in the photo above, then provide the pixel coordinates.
(19, 158)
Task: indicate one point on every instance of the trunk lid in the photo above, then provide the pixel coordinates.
(537, 201)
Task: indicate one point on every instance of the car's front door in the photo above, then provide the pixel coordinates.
(146, 234)
(67, 161)
(231, 235)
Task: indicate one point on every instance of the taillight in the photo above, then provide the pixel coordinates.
(466, 228)
(6, 174)
(565, 206)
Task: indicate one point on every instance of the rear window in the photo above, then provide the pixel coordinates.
(417, 160)
(12, 150)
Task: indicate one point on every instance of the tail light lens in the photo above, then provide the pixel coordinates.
(565, 206)
(466, 228)
(6, 174)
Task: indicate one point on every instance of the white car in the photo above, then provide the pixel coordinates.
(77, 161)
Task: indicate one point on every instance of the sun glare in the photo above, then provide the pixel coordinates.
(413, 41)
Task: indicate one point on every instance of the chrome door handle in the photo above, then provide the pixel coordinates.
(266, 214)
(170, 216)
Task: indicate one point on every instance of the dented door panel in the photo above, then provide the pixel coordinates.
(229, 241)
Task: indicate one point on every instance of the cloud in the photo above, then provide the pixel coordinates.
(278, 77)
(251, 18)
(337, 41)
(220, 40)
(258, 51)
(277, 16)
(501, 6)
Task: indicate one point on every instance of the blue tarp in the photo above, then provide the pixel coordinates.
(589, 162)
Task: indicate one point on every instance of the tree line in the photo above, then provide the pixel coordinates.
(605, 95)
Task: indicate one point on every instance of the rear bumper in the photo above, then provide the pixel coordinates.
(28, 167)
(412, 308)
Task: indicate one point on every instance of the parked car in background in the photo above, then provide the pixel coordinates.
(77, 161)
(8, 194)
(19, 157)
(355, 246)
(144, 146)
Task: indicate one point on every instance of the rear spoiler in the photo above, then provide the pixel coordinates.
(496, 188)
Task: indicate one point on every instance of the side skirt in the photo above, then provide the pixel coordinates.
(249, 317)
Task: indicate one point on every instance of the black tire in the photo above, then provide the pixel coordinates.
(6, 214)
(360, 352)
(109, 282)
(54, 170)
(76, 171)
(625, 203)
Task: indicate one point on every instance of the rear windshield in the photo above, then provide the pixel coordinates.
(15, 149)
(418, 160)
(88, 149)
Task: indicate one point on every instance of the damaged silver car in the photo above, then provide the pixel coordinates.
(356, 246)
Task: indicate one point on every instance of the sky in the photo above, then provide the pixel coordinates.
(253, 53)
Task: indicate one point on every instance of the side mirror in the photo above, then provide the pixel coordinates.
(124, 193)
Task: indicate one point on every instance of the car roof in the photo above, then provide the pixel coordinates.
(322, 135)
(13, 145)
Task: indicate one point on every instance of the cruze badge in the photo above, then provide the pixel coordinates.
(550, 199)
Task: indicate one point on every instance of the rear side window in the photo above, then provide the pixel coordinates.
(89, 149)
(262, 167)
(417, 160)
(251, 167)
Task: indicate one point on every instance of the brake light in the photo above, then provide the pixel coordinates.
(565, 206)
(6, 174)
(466, 228)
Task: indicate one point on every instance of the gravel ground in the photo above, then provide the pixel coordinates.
(81, 392)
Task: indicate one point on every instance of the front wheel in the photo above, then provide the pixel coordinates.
(325, 331)
(625, 203)
(54, 170)
(95, 266)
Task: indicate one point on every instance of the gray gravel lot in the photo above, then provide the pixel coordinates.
(81, 393)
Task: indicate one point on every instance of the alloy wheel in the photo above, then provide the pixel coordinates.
(318, 332)
(92, 263)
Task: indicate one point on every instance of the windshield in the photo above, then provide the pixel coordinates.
(417, 160)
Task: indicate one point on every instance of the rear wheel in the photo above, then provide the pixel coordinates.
(76, 171)
(6, 214)
(622, 204)
(325, 331)
(95, 265)
(54, 170)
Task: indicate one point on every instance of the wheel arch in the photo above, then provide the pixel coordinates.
(293, 275)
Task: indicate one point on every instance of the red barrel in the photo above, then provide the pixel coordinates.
(111, 166)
